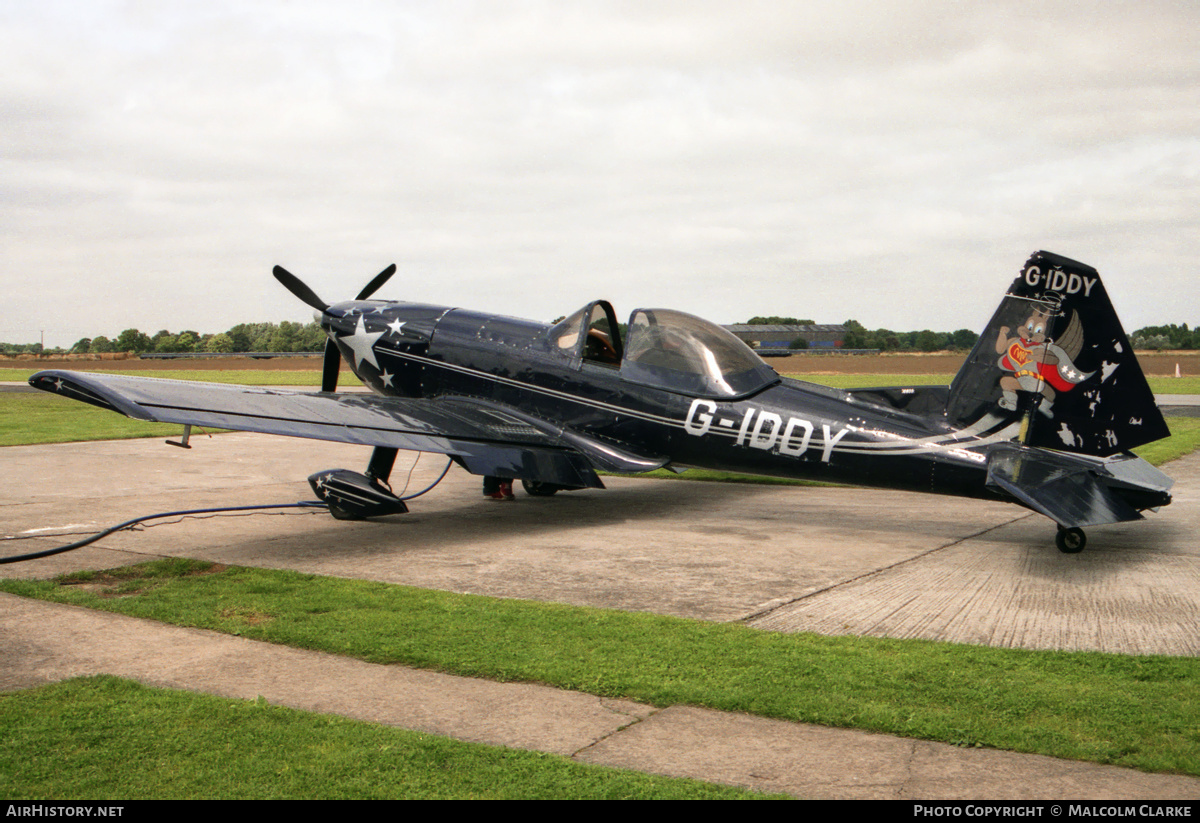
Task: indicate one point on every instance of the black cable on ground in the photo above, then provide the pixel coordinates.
(79, 544)
(128, 523)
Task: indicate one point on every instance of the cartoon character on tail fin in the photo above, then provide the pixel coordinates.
(1036, 362)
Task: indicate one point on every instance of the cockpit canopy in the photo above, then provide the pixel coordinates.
(664, 349)
(589, 334)
(685, 354)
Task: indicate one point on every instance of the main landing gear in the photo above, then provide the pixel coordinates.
(354, 496)
(1070, 541)
(538, 488)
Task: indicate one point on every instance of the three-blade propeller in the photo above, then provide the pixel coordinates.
(332, 362)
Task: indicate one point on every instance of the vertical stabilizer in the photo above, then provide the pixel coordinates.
(1055, 352)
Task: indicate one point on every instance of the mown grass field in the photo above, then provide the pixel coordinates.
(103, 738)
(312, 378)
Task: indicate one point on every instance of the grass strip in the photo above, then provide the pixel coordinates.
(1158, 385)
(312, 378)
(32, 418)
(870, 381)
(108, 738)
(248, 377)
(1174, 385)
(1141, 712)
(1184, 439)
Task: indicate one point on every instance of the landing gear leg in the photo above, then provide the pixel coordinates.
(1070, 541)
(380, 467)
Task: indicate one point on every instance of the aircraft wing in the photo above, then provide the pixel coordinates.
(484, 438)
(1076, 492)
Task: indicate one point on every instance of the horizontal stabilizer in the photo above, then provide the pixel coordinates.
(1075, 492)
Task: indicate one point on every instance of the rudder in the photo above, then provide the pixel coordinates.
(1056, 337)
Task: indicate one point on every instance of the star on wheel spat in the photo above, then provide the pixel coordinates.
(362, 342)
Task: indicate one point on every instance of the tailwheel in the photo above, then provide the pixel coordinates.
(1070, 541)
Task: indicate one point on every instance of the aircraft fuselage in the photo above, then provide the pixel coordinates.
(785, 429)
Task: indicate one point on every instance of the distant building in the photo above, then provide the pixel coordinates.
(822, 336)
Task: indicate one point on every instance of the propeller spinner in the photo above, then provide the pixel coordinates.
(332, 361)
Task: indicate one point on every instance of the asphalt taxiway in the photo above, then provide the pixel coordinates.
(831, 560)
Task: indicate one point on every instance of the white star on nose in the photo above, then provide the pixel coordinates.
(362, 343)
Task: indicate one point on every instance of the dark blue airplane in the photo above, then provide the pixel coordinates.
(1043, 413)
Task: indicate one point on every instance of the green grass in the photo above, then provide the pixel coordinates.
(26, 419)
(870, 381)
(1158, 385)
(1171, 385)
(249, 377)
(105, 738)
(1184, 439)
(312, 377)
(1141, 712)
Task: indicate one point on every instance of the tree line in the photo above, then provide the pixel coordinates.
(1166, 337)
(300, 337)
(860, 337)
(857, 337)
(244, 337)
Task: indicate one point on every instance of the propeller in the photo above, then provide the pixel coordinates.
(332, 361)
(331, 364)
(374, 285)
(296, 286)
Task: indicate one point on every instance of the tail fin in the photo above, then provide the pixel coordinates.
(1055, 345)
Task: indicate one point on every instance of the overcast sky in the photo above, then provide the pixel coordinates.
(889, 162)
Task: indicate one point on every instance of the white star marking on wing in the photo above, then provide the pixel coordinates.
(362, 342)
(395, 326)
(386, 378)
